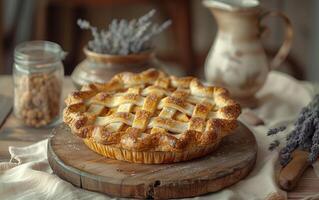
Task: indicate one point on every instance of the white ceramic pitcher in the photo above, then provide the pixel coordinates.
(237, 59)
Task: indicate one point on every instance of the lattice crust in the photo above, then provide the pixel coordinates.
(151, 111)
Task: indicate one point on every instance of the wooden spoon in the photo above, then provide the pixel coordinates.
(291, 173)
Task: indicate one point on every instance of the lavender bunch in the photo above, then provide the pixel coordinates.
(123, 37)
(304, 136)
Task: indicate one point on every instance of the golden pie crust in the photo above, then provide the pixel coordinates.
(151, 117)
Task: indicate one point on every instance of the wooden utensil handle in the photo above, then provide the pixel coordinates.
(291, 173)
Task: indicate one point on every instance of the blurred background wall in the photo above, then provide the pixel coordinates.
(185, 44)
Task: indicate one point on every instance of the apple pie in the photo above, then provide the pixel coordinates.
(151, 117)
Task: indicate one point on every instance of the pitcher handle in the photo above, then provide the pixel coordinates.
(286, 45)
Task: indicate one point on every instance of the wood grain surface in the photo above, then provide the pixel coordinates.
(14, 133)
(73, 161)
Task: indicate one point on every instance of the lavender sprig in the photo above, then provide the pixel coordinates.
(314, 151)
(305, 135)
(274, 145)
(123, 37)
(274, 131)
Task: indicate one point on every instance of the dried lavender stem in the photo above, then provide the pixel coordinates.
(124, 37)
(305, 135)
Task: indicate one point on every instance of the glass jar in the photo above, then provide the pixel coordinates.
(38, 74)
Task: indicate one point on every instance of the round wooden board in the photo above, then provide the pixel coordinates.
(71, 160)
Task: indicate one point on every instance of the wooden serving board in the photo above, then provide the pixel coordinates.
(71, 160)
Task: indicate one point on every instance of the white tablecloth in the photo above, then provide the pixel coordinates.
(29, 176)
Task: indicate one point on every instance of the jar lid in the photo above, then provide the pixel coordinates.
(38, 54)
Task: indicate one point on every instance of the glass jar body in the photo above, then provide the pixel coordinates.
(38, 86)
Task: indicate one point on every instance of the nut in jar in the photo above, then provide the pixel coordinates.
(38, 83)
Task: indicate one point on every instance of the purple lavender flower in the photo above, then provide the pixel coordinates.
(314, 151)
(274, 131)
(124, 37)
(274, 145)
(305, 135)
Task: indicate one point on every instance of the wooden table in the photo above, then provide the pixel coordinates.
(14, 133)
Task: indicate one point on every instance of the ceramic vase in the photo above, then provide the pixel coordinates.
(102, 67)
